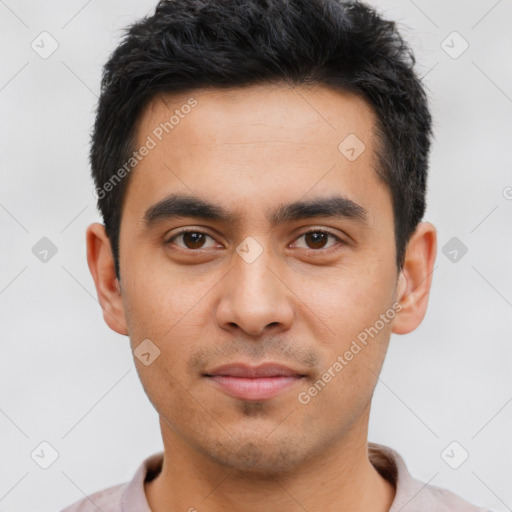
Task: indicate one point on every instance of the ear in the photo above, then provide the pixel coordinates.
(415, 278)
(101, 266)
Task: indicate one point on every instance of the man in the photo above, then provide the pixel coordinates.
(261, 171)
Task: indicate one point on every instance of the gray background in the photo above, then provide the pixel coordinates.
(68, 380)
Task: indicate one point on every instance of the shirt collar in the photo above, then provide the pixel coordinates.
(385, 460)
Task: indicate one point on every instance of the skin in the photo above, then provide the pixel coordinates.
(301, 302)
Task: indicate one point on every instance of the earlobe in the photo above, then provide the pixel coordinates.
(415, 279)
(102, 268)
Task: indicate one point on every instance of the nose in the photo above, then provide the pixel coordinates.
(254, 298)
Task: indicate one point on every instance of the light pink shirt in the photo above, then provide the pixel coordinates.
(411, 494)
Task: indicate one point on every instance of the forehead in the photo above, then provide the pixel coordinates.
(220, 113)
(246, 146)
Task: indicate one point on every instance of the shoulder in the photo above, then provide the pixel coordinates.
(444, 500)
(106, 500)
(413, 495)
(124, 497)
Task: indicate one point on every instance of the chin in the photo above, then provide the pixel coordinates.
(255, 454)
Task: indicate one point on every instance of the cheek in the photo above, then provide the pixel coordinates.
(173, 317)
(358, 309)
(170, 395)
(161, 303)
(349, 301)
(343, 390)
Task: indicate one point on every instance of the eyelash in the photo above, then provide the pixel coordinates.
(323, 231)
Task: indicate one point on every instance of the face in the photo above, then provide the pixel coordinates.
(255, 254)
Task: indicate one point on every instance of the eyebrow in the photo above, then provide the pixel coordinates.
(179, 206)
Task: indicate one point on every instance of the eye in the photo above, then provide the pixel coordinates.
(318, 238)
(191, 239)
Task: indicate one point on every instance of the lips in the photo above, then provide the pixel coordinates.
(261, 382)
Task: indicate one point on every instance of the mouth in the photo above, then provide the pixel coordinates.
(257, 383)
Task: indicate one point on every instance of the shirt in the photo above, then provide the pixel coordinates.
(411, 494)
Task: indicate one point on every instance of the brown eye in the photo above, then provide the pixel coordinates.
(193, 240)
(318, 239)
(190, 240)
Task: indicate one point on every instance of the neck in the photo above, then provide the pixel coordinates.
(341, 478)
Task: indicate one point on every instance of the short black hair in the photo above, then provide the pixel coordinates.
(192, 44)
